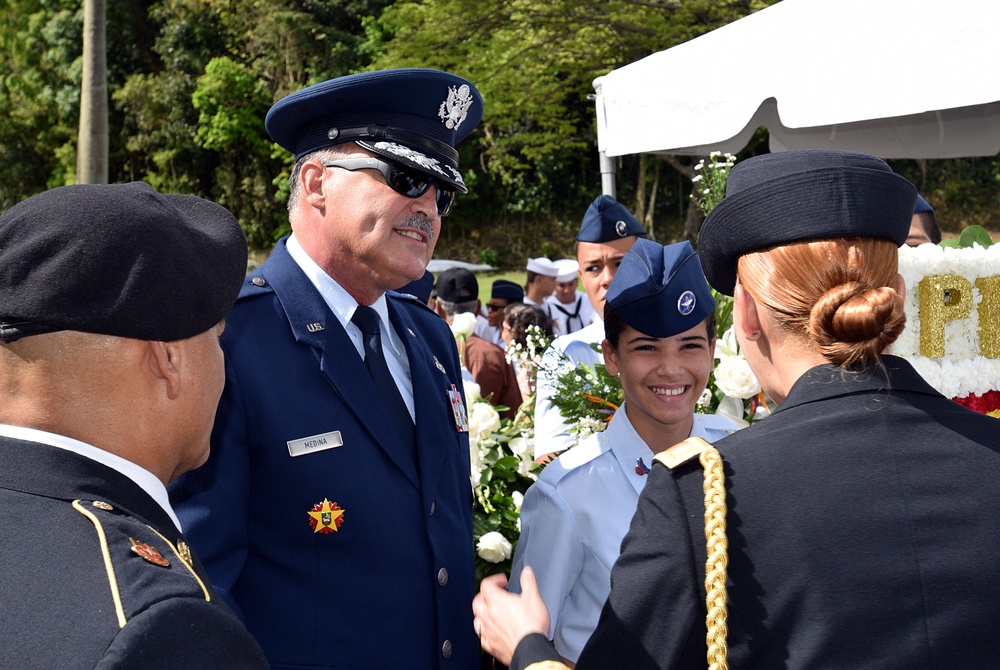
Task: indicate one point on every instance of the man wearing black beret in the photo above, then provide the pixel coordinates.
(457, 294)
(112, 300)
(335, 511)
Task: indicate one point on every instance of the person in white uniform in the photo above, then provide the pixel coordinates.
(607, 231)
(660, 321)
(569, 306)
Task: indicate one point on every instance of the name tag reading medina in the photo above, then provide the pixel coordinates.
(310, 445)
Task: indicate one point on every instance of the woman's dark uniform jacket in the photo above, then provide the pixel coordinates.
(864, 532)
(73, 594)
(392, 587)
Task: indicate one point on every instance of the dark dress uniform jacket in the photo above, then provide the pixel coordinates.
(392, 586)
(73, 594)
(864, 532)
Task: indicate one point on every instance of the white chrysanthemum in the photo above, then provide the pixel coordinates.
(483, 421)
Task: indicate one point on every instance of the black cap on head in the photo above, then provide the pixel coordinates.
(118, 259)
(796, 196)
(607, 220)
(412, 116)
(457, 285)
(505, 289)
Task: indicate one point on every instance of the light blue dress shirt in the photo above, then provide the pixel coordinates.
(574, 518)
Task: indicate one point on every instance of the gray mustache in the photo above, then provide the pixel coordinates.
(422, 224)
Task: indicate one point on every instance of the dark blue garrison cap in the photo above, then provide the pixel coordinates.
(797, 196)
(661, 290)
(607, 220)
(922, 205)
(412, 116)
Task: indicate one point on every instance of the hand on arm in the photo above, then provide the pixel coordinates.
(503, 619)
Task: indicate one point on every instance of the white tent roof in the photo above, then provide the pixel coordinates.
(894, 78)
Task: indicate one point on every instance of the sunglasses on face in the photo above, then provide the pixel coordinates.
(400, 180)
(492, 308)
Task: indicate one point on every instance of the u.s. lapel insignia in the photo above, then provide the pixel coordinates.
(184, 551)
(640, 467)
(326, 517)
(148, 553)
(314, 327)
(458, 410)
(454, 110)
(440, 367)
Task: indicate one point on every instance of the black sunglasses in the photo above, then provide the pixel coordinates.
(492, 307)
(400, 180)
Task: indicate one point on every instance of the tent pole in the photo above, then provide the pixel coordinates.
(607, 163)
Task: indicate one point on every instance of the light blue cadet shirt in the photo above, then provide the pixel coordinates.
(575, 516)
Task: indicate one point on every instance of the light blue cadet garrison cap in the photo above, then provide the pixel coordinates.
(607, 220)
(412, 116)
(661, 290)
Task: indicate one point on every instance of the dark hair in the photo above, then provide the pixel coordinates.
(519, 316)
(614, 326)
(929, 222)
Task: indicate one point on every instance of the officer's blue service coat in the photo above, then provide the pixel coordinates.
(335, 549)
(74, 593)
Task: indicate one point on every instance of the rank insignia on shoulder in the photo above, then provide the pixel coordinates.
(326, 517)
(184, 551)
(148, 553)
(640, 467)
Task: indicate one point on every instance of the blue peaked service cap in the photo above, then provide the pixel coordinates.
(412, 116)
(660, 290)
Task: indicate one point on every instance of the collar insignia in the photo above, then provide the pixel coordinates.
(148, 553)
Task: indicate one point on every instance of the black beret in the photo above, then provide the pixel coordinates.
(118, 259)
(457, 285)
(795, 196)
(413, 116)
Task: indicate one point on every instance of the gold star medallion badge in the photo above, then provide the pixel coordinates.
(326, 517)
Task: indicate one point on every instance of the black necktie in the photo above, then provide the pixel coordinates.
(366, 319)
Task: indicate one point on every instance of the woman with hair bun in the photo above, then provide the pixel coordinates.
(863, 519)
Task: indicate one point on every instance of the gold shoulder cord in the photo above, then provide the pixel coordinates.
(715, 540)
(112, 580)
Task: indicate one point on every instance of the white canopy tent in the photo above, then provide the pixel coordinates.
(894, 78)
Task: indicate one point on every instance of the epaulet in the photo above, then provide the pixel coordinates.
(409, 298)
(682, 452)
(254, 284)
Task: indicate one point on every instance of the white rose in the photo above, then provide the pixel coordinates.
(483, 420)
(494, 547)
(727, 345)
(519, 446)
(476, 464)
(518, 499)
(734, 377)
(472, 391)
(463, 324)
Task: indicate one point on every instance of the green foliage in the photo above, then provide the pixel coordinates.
(972, 235)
